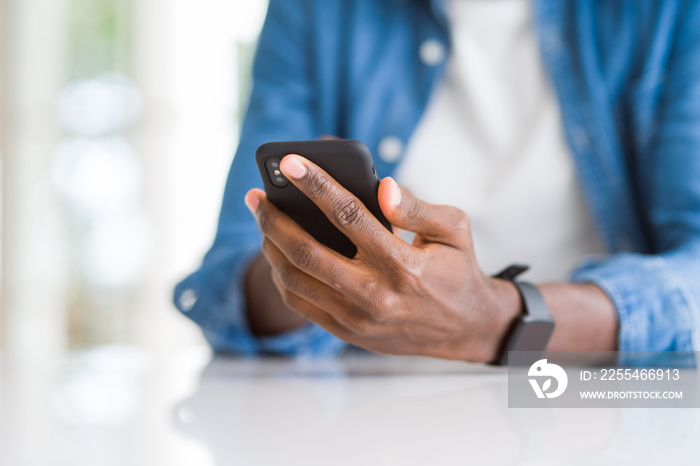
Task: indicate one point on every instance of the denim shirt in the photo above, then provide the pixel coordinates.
(627, 78)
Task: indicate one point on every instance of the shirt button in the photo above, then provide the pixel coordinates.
(390, 149)
(188, 299)
(432, 52)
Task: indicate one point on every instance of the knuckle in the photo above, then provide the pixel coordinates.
(362, 325)
(337, 276)
(348, 212)
(304, 256)
(380, 304)
(319, 185)
(368, 295)
(402, 269)
(385, 306)
(415, 209)
(394, 261)
(411, 276)
(289, 276)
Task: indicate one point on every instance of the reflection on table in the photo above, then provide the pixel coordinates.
(126, 406)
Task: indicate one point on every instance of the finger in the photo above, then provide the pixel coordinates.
(312, 312)
(341, 207)
(300, 283)
(433, 223)
(300, 248)
(333, 302)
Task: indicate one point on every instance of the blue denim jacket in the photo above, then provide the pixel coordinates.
(627, 78)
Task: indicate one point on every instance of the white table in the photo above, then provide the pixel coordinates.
(125, 406)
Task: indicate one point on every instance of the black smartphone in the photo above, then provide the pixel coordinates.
(348, 161)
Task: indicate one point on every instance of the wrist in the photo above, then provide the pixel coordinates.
(505, 307)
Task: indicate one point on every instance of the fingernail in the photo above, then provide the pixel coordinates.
(395, 196)
(252, 201)
(292, 167)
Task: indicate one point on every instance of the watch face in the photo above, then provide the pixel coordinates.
(532, 334)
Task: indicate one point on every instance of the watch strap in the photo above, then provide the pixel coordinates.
(533, 302)
(512, 271)
(535, 312)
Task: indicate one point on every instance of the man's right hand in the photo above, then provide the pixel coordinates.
(267, 313)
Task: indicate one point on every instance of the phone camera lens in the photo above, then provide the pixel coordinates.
(272, 165)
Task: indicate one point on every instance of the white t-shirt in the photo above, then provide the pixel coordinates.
(491, 142)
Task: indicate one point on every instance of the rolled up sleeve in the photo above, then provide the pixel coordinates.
(213, 298)
(656, 309)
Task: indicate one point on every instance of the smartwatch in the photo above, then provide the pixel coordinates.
(531, 330)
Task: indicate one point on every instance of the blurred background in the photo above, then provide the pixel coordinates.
(119, 121)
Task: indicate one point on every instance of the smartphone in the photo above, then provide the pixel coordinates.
(348, 161)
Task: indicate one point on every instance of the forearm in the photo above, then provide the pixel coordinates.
(584, 316)
(266, 312)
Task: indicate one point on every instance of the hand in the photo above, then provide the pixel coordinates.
(429, 298)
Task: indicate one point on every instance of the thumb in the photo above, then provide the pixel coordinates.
(433, 223)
